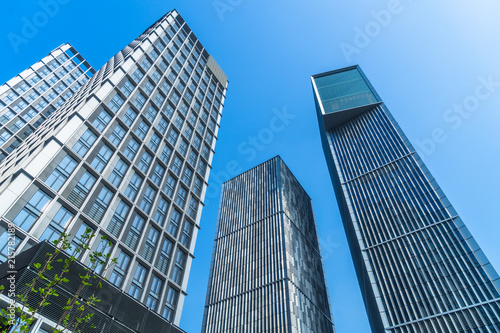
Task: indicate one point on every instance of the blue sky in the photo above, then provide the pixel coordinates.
(435, 64)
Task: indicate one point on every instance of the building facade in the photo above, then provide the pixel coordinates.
(419, 268)
(32, 96)
(266, 272)
(128, 156)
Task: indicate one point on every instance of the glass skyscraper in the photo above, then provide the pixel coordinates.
(266, 272)
(128, 156)
(32, 96)
(418, 266)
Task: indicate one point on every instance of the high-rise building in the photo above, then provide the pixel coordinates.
(266, 272)
(127, 156)
(419, 268)
(32, 96)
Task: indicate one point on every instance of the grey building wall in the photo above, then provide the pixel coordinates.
(418, 266)
(128, 155)
(266, 272)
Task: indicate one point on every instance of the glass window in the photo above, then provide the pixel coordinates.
(129, 117)
(131, 149)
(188, 132)
(170, 304)
(146, 64)
(165, 155)
(134, 233)
(169, 110)
(7, 242)
(170, 186)
(118, 172)
(120, 269)
(145, 162)
(133, 186)
(172, 136)
(181, 197)
(183, 147)
(139, 101)
(137, 75)
(178, 271)
(187, 233)
(193, 208)
(159, 99)
(57, 226)
(151, 113)
(117, 135)
(118, 219)
(150, 246)
(192, 158)
(115, 103)
(149, 87)
(162, 126)
(154, 294)
(32, 210)
(176, 166)
(142, 130)
(127, 88)
(138, 282)
(198, 186)
(81, 238)
(158, 174)
(165, 87)
(81, 189)
(154, 142)
(147, 199)
(102, 158)
(174, 223)
(61, 173)
(161, 212)
(188, 175)
(156, 76)
(101, 204)
(82, 146)
(164, 259)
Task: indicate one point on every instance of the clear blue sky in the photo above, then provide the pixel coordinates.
(423, 59)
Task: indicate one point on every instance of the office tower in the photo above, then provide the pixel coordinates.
(266, 273)
(127, 156)
(32, 96)
(419, 268)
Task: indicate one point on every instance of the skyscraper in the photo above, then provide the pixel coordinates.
(127, 156)
(266, 273)
(32, 96)
(419, 268)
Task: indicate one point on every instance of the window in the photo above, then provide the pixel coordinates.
(202, 168)
(137, 75)
(21, 105)
(139, 101)
(17, 125)
(169, 110)
(151, 242)
(142, 130)
(149, 87)
(172, 136)
(159, 99)
(164, 259)
(170, 304)
(180, 262)
(192, 119)
(57, 225)
(115, 103)
(206, 152)
(151, 113)
(118, 219)
(117, 135)
(193, 208)
(134, 233)
(32, 210)
(188, 132)
(101, 204)
(154, 142)
(120, 269)
(165, 155)
(100, 264)
(129, 117)
(183, 147)
(154, 294)
(158, 174)
(145, 162)
(181, 197)
(6, 241)
(138, 282)
(118, 172)
(4, 136)
(178, 122)
(165, 87)
(162, 126)
(187, 233)
(175, 97)
(102, 158)
(147, 199)
(170, 186)
(174, 223)
(9, 115)
(81, 238)
(198, 185)
(200, 129)
(32, 96)
(57, 178)
(81, 189)
(161, 212)
(156, 76)
(176, 166)
(192, 158)
(127, 88)
(188, 175)
(82, 146)
(131, 149)
(146, 64)
(133, 186)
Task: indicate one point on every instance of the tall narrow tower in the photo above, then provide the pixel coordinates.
(418, 266)
(128, 156)
(266, 273)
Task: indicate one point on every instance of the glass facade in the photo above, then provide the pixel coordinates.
(108, 157)
(267, 273)
(418, 266)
